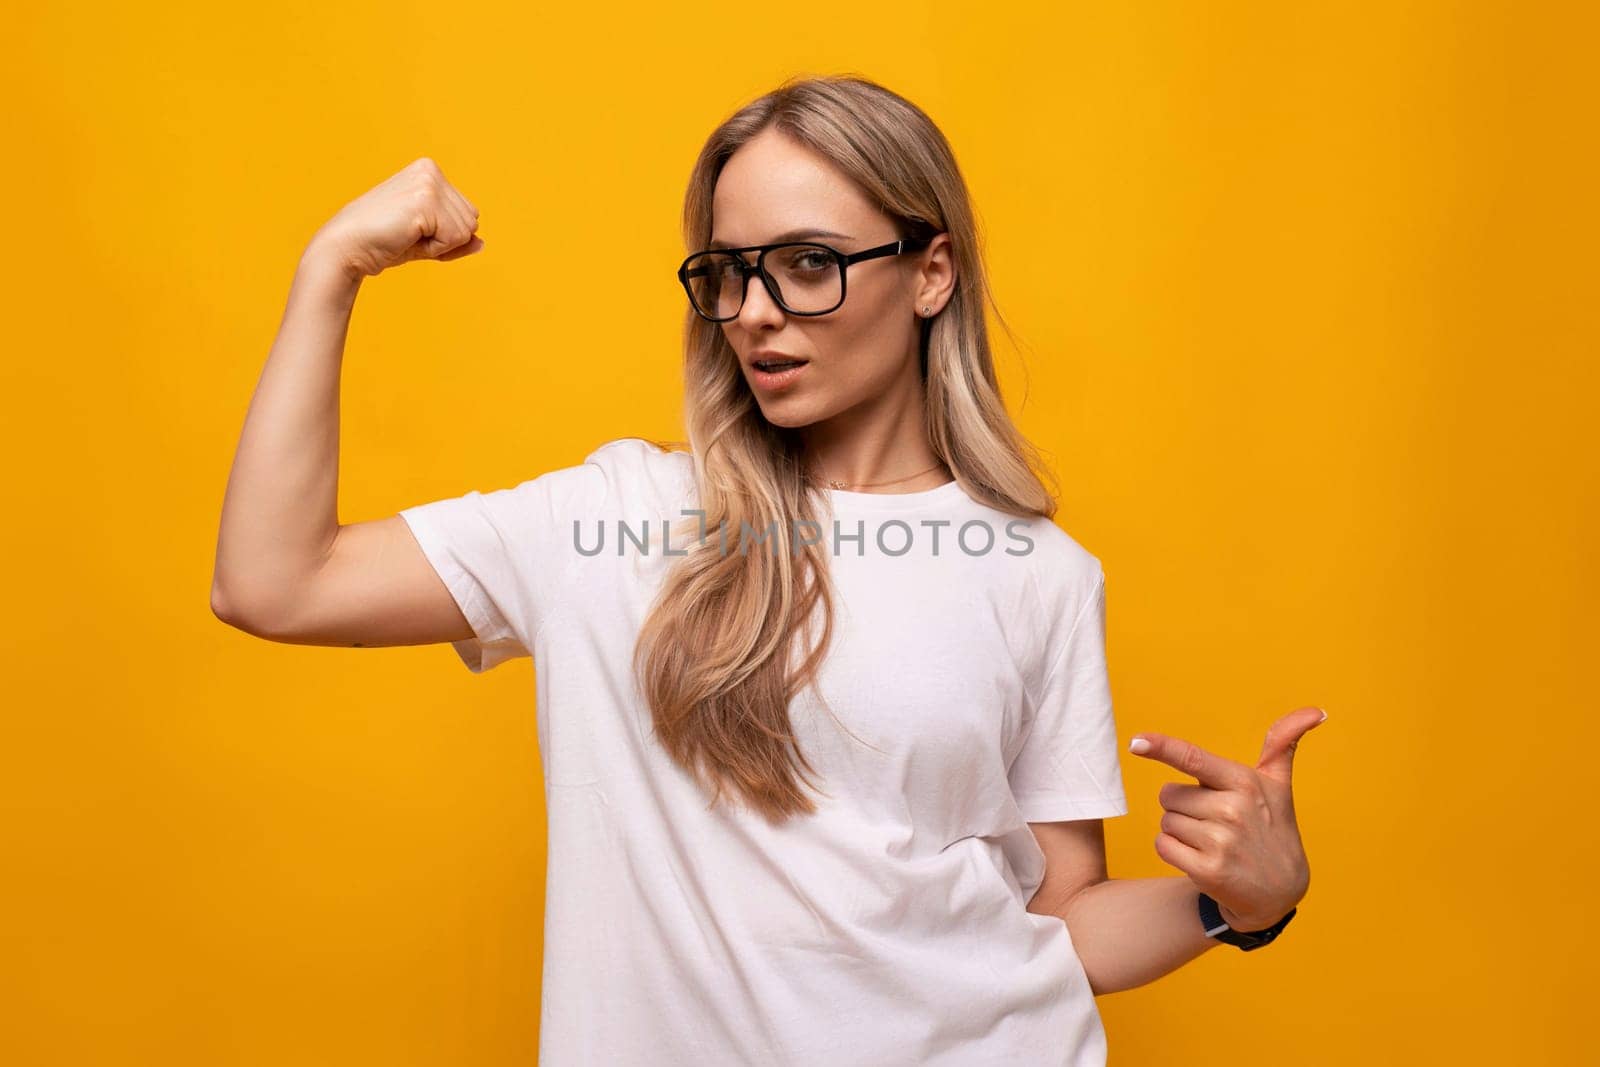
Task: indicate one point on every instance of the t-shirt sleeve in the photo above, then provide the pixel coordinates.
(502, 555)
(1069, 765)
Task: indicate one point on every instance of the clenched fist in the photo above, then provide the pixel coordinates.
(416, 214)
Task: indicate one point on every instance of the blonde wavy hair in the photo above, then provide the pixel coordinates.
(733, 636)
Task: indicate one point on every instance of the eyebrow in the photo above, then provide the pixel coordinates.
(789, 235)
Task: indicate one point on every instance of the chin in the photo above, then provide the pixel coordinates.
(791, 414)
(789, 419)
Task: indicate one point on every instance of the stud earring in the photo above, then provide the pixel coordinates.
(926, 311)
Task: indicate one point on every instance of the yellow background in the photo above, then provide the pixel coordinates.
(1305, 299)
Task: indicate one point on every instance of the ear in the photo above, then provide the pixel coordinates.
(936, 275)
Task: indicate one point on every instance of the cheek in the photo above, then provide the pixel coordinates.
(869, 345)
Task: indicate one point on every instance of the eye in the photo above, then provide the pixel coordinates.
(808, 259)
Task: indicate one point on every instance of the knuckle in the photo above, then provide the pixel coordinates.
(1256, 803)
(1192, 757)
(1251, 794)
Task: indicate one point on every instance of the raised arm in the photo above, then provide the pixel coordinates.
(286, 569)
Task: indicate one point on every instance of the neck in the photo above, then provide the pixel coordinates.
(883, 440)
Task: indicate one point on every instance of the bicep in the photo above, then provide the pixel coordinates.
(1068, 767)
(375, 588)
(1074, 859)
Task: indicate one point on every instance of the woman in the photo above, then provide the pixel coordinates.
(814, 695)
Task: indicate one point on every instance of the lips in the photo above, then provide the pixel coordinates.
(776, 362)
(772, 373)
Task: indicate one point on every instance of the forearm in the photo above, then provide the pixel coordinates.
(280, 508)
(1130, 931)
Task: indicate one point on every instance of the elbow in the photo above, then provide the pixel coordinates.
(1084, 945)
(220, 607)
(225, 608)
(236, 610)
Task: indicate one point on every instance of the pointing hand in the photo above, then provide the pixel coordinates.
(1234, 834)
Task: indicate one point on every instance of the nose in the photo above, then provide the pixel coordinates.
(759, 304)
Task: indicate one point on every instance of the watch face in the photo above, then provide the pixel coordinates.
(1257, 938)
(1211, 920)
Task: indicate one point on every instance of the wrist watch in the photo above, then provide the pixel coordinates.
(1215, 926)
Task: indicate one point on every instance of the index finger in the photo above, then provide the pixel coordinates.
(1188, 757)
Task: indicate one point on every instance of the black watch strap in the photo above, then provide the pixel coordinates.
(1215, 926)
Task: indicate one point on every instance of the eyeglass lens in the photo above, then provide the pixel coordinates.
(807, 277)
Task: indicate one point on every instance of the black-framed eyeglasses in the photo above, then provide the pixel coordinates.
(803, 277)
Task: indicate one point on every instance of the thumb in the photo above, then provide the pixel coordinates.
(474, 245)
(1277, 752)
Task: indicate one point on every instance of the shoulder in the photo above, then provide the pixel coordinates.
(1060, 578)
(639, 473)
(1059, 559)
(1061, 594)
(638, 454)
(1056, 566)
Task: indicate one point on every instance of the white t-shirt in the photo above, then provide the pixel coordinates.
(888, 928)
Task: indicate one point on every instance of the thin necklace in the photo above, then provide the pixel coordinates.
(868, 485)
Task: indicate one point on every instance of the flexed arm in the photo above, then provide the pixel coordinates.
(285, 568)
